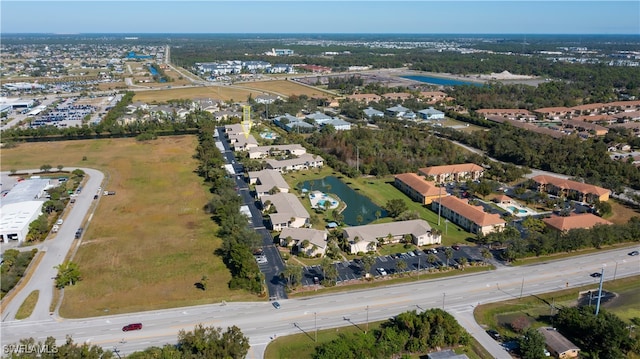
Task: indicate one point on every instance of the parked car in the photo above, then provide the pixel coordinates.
(456, 247)
(382, 271)
(59, 221)
(133, 326)
(634, 253)
(494, 334)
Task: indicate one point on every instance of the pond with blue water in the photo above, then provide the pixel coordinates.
(441, 81)
(357, 204)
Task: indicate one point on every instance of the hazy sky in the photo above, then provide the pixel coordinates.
(303, 16)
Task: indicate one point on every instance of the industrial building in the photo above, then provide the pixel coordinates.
(21, 206)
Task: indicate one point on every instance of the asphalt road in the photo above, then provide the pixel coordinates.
(261, 321)
(274, 264)
(76, 215)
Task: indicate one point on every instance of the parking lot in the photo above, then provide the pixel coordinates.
(416, 261)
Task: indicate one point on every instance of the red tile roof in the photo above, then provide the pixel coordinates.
(582, 220)
(438, 170)
(568, 184)
(475, 214)
(419, 184)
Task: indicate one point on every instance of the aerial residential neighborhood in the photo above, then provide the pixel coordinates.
(191, 192)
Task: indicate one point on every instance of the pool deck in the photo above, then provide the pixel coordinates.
(317, 196)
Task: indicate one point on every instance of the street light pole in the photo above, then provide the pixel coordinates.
(444, 295)
(315, 323)
(367, 328)
(615, 271)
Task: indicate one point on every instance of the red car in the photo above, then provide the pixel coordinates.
(134, 326)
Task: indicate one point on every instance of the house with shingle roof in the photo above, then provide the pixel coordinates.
(448, 173)
(394, 96)
(433, 96)
(508, 113)
(365, 238)
(302, 162)
(396, 111)
(372, 112)
(557, 344)
(266, 181)
(289, 211)
(365, 97)
(276, 150)
(297, 236)
(574, 221)
(431, 114)
(578, 191)
(472, 218)
(418, 188)
(554, 113)
(585, 126)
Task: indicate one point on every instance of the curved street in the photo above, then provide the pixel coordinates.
(55, 251)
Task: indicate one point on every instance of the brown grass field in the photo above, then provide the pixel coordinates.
(149, 244)
(238, 92)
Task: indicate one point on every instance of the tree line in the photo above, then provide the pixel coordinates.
(201, 343)
(407, 333)
(238, 240)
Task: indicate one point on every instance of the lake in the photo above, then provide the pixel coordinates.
(441, 81)
(357, 204)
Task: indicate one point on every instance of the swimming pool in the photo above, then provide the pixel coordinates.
(514, 209)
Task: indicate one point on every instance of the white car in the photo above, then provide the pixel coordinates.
(59, 222)
(382, 271)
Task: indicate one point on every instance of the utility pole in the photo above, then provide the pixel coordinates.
(522, 287)
(315, 322)
(444, 295)
(357, 159)
(600, 291)
(439, 203)
(615, 271)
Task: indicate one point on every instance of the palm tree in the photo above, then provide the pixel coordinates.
(486, 254)
(448, 253)
(462, 261)
(401, 265)
(432, 259)
(368, 262)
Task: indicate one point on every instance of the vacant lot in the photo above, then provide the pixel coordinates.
(287, 88)
(239, 92)
(147, 245)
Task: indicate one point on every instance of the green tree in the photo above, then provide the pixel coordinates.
(293, 275)
(68, 274)
(60, 167)
(329, 271)
(448, 253)
(486, 254)
(401, 265)
(367, 262)
(45, 168)
(532, 345)
(395, 206)
(211, 342)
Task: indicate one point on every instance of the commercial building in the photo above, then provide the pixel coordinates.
(557, 345)
(21, 206)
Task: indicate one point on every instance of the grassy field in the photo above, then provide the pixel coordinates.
(621, 213)
(286, 88)
(147, 245)
(238, 92)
